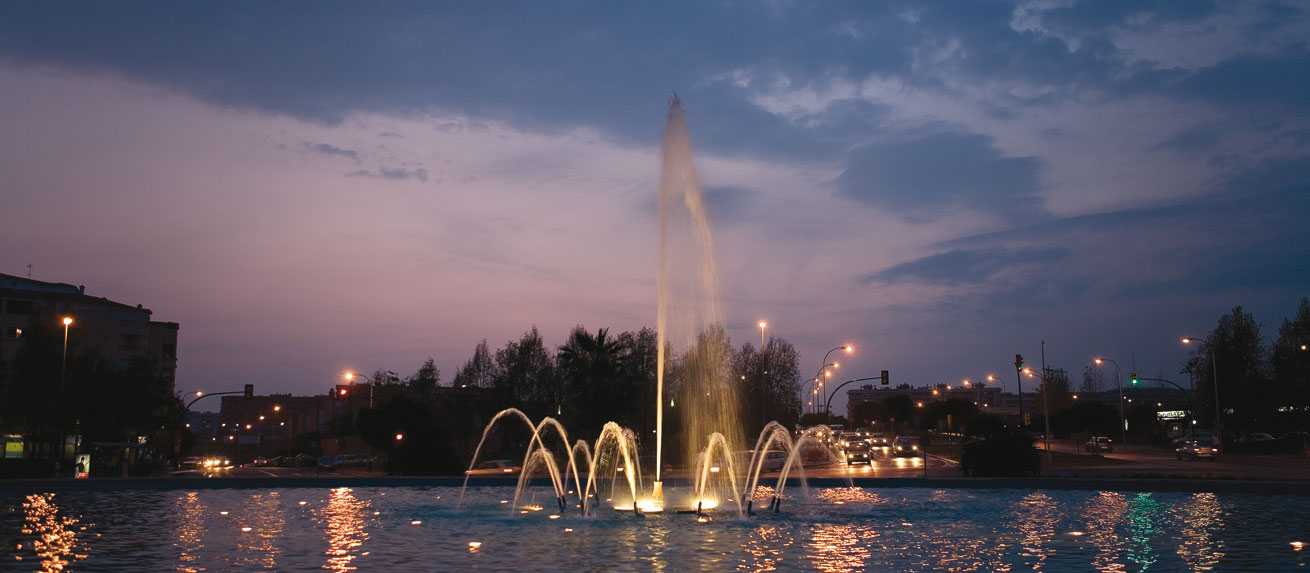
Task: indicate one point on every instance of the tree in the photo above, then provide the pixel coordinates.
(1290, 361)
(640, 370)
(479, 371)
(425, 381)
(1056, 382)
(769, 382)
(1092, 379)
(1236, 350)
(593, 369)
(525, 370)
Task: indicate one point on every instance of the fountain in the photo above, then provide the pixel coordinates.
(689, 320)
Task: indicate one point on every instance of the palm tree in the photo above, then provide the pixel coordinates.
(594, 369)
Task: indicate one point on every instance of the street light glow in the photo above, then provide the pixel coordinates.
(68, 320)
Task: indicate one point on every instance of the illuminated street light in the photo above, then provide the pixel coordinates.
(1214, 365)
(1118, 375)
(63, 376)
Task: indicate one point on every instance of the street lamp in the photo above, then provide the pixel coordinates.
(1046, 413)
(817, 383)
(1214, 365)
(1118, 375)
(848, 348)
(63, 377)
(278, 408)
(763, 325)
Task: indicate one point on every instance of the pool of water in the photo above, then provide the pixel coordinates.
(835, 529)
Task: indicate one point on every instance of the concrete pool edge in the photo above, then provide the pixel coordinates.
(1230, 486)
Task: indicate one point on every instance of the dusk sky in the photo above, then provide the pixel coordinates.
(311, 187)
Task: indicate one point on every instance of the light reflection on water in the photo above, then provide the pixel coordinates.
(344, 518)
(835, 529)
(1202, 520)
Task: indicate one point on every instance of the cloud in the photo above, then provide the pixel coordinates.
(927, 177)
(326, 149)
(392, 174)
(964, 266)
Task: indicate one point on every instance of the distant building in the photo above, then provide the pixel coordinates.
(118, 331)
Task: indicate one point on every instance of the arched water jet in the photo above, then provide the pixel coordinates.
(486, 432)
(720, 444)
(613, 438)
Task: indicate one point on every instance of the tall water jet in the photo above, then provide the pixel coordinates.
(689, 317)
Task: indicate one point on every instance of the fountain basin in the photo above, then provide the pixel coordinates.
(383, 525)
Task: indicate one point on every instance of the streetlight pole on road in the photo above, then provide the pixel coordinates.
(1214, 365)
(1118, 374)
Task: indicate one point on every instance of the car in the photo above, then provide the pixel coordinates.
(1196, 450)
(191, 462)
(496, 468)
(863, 433)
(328, 463)
(857, 453)
(216, 463)
(1099, 444)
(258, 462)
(879, 440)
(906, 446)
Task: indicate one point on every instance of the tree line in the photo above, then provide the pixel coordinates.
(592, 378)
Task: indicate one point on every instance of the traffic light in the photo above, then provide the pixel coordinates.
(1027, 418)
(886, 379)
(250, 391)
(1018, 362)
(1132, 378)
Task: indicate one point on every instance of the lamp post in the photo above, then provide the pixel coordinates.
(63, 377)
(1118, 375)
(372, 382)
(278, 408)
(816, 383)
(764, 404)
(1046, 413)
(848, 348)
(1214, 365)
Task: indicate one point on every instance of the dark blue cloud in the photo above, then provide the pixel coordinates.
(930, 176)
(964, 266)
(327, 149)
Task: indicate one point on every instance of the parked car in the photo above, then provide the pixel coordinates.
(1099, 444)
(328, 463)
(496, 468)
(906, 446)
(1197, 451)
(857, 453)
(190, 463)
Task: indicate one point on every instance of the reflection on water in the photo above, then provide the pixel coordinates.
(1202, 520)
(880, 529)
(261, 529)
(52, 537)
(1104, 512)
(1036, 516)
(1141, 524)
(345, 517)
(841, 547)
(190, 531)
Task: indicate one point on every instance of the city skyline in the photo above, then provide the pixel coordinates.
(311, 190)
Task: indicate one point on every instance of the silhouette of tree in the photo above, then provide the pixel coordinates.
(593, 368)
(1290, 360)
(1243, 369)
(479, 371)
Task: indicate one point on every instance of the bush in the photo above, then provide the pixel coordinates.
(1007, 453)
